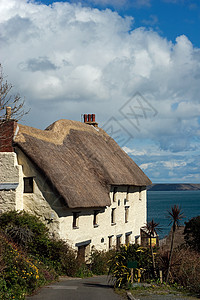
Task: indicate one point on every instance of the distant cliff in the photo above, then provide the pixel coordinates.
(174, 187)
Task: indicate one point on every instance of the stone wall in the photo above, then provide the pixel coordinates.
(11, 190)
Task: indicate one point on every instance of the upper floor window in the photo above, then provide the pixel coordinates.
(95, 218)
(28, 184)
(140, 193)
(75, 220)
(127, 193)
(113, 216)
(114, 193)
(126, 214)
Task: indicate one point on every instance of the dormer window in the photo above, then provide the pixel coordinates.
(28, 184)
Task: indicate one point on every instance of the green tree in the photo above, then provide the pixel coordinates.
(175, 216)
(192, 233)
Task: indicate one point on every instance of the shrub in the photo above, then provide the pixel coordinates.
(20, 274)
(99, 261)
(192, 233)
(186, 269)
(28, 231)
(119, 270)
(83, 271)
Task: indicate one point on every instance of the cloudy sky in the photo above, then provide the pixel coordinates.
(135, 64)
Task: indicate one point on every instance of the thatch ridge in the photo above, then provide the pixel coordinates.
(80, 161)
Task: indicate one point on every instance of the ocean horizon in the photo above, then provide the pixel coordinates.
(160, 202)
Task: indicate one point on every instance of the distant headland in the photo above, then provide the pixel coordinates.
(174, 187)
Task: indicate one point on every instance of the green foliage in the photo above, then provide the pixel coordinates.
(27, 230)
(192, 233)
(118, 264)
(99, 261)
(83, 271)
(19, 235)
(20, 274)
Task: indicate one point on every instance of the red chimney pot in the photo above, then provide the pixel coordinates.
(89, 117)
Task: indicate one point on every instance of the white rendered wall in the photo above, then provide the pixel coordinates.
(99, 235)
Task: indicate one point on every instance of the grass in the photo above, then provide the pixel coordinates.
(144, 290)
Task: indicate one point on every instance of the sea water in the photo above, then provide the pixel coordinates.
(160, 202)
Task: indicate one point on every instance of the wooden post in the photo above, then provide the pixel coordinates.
(161, 277)
(131, 275)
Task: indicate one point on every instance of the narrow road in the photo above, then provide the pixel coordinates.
(97, 288)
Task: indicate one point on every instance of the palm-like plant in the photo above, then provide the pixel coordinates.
(176, 215)
(152, 229)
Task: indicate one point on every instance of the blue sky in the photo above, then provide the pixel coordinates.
(136, 64)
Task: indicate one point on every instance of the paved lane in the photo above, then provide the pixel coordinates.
(96, 288)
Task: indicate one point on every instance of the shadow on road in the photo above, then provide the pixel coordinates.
(98, 285)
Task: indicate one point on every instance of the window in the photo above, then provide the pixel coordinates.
(75, 220)
(114, 193)
(128, 238)
(110, 242)
(127, 193)
(113, 216)
(140, 193)
(126, 214)
(28, 184)
(118, 241)
(95, 218)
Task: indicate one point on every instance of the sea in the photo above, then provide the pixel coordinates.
(160, 202)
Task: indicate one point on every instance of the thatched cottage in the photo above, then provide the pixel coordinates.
(77, 179)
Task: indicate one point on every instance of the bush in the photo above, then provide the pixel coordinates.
(99, 261)
(192, 233)
(186, 269)
(25, 229)
(119, 270)
(20, 274)
(28, 231)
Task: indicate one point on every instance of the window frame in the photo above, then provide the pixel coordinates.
(127, 208)
(113, 216)
(95, 218)
(28, 184)
(75, 221)
(115, 190)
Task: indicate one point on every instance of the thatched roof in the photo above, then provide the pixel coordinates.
(80, 161)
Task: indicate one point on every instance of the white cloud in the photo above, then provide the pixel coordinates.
(67, 59)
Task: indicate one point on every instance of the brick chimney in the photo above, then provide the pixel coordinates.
(90, 120)
(7, 131)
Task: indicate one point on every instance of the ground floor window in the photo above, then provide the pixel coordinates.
(128, 238)
(110, 242)
(118, 241)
